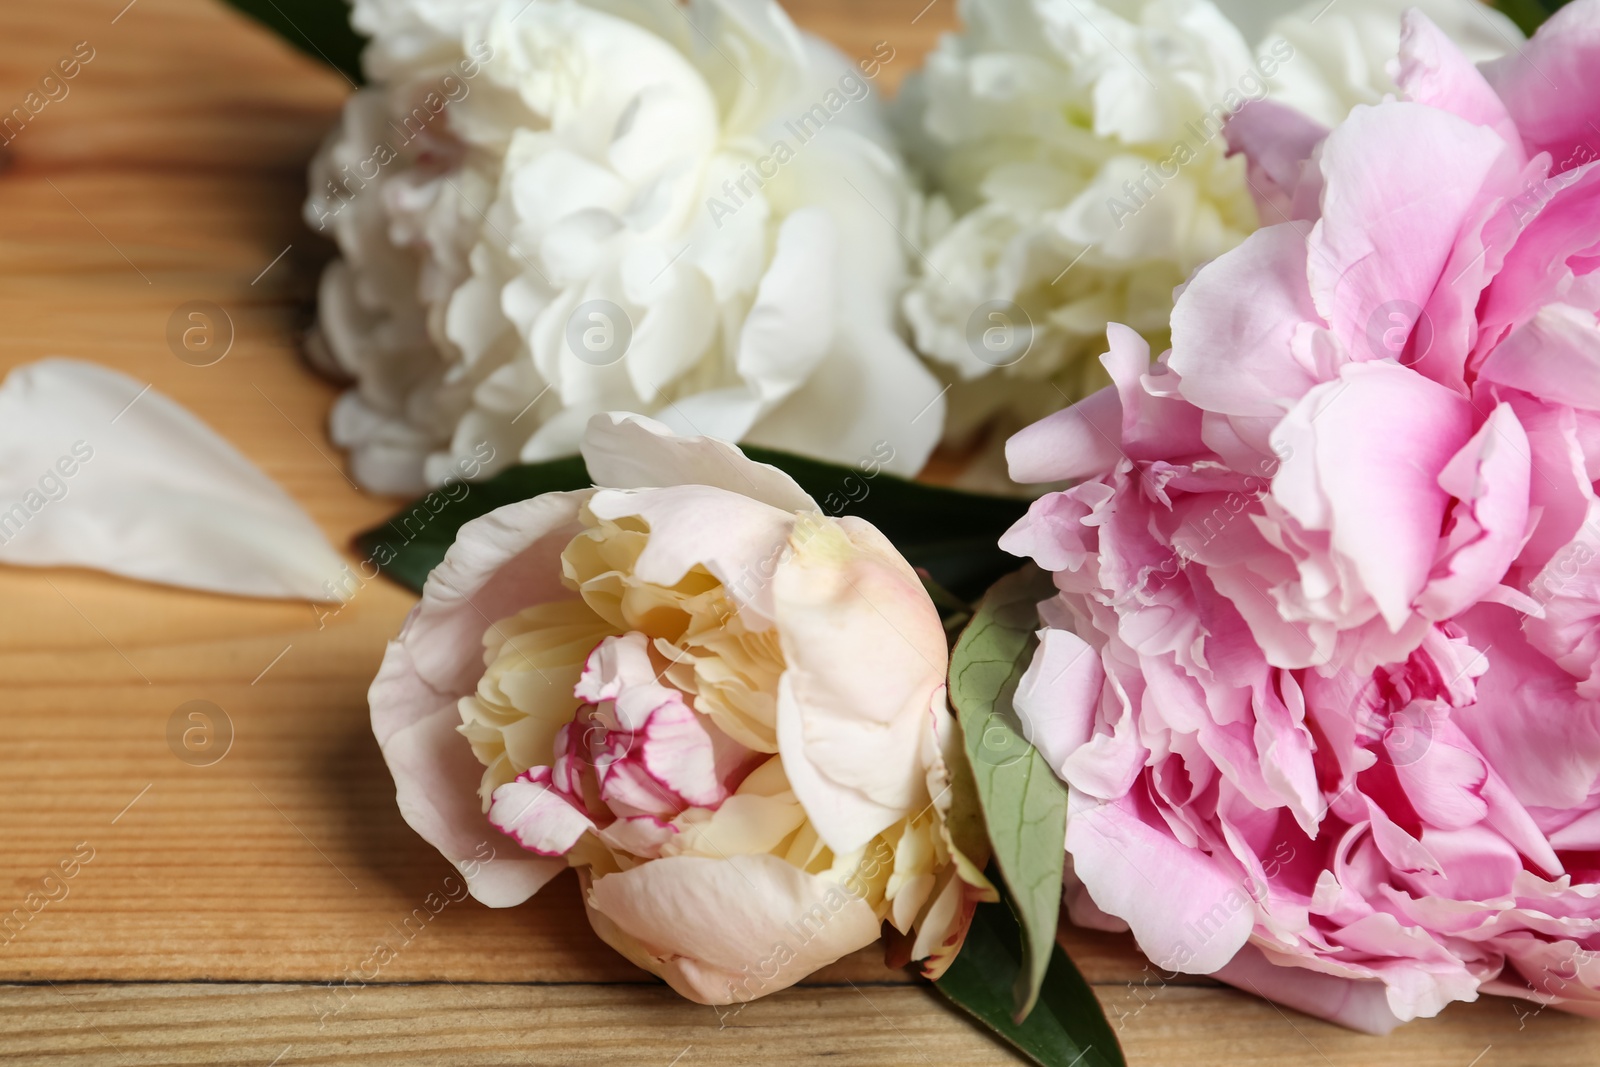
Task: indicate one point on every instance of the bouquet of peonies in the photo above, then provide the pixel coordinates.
(1301, 682)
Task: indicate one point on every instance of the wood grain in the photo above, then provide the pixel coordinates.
(462, 1024)
(224, 905)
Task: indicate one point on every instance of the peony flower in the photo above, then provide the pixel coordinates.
(725, 710)
(551, 209)
(1078, 172)
(1321, 670)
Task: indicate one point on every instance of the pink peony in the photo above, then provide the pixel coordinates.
(724, 709)
(1322, 671)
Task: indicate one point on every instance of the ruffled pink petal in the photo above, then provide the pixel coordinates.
(1053, 532)
(1433, 169)
(628, 788)
(1555, 356)
(1568, 592)
(621, 672)
(1553, 222)
(1384, 516)
(676, 749)
(1490, 479)
(538, 817)
(1156, 422)
(1544, 737)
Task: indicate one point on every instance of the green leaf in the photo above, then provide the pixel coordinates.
(1529, 15)
(950, 534)
(1024, 803)
(1068, 1029)
(319, 28)
(415, 540)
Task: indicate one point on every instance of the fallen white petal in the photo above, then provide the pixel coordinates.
(99, 470)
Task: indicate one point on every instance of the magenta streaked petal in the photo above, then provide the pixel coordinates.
(537, 816)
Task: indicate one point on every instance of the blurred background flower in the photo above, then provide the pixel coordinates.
(549, 210)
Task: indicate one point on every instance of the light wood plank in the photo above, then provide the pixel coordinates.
(468, 1024)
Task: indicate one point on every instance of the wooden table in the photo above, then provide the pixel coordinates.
(226, 908)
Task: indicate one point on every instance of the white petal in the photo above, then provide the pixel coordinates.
(153, 492)
(633, 452)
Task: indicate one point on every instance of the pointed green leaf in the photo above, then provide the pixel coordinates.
(1067, 1029)
(950, 534)
(319, 28)
(1024, 803)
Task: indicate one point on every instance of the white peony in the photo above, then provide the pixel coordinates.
(1078, 173)
(550, 208)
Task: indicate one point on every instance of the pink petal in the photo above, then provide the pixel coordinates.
(1545, 739)
(1156, 423)
(1076, 442)
(1442, 781)
(1489, 478)
(1384, 515)
(1187, 911)
(1555, 356)
(1420, 171)
(1232, 327)
(1434, 72)
(620, 671)
(1549, 85)
(1360, 1005)
(1053, 532)
(1278, 142)
(1058, 696)
(540, 819)
(677, 750)
(1552, 220)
